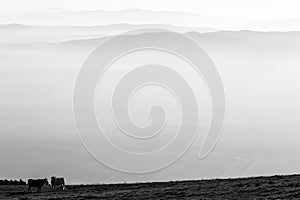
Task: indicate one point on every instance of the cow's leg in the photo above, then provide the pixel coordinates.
(29, 189)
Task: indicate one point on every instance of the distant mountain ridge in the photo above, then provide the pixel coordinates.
(139, 16)
(20, 34)
(95, 17)
(116, 26)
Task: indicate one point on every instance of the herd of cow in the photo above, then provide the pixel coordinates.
(39, 183)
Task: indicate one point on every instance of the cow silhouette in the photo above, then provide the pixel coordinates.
(60, 182)
(37, 183)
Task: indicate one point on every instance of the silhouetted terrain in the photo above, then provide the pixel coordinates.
(273, 187)
(12, 182)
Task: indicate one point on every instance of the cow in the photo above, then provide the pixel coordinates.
(58, 182)
(37, 183)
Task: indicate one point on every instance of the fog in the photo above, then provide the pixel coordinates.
(260, 137)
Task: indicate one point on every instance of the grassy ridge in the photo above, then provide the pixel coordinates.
(273, 187)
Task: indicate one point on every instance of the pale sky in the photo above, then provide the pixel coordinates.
(260, 73)
(254, 9)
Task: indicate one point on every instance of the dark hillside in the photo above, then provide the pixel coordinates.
(273, 187)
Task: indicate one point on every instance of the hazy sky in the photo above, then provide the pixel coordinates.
(254, 9)
(39, 67)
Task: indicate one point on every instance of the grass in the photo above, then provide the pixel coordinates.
(273, 187)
